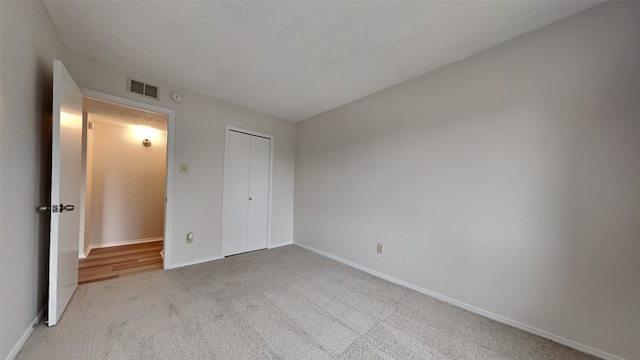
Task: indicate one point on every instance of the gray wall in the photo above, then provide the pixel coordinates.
(29, 43)
(199, 142)
(509, 181)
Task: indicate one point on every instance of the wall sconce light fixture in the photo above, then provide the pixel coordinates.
(146, 142)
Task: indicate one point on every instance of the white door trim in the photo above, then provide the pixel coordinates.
(224, 181)
(82, 250)
(171, 114)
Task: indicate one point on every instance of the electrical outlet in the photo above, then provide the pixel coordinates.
(379, 249)
(190, 238)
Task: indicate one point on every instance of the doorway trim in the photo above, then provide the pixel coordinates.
(227, 130)
(171, 114)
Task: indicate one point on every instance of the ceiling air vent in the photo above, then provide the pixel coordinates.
(141, 88)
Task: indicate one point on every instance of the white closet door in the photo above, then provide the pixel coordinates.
(258, 219)
(236, 197)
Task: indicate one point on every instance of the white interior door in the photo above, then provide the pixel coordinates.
(245, 224)
(66, 175)
(258, 218)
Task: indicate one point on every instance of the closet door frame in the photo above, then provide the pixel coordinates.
(225, 183)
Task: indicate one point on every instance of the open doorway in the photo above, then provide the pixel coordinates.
(124, 197)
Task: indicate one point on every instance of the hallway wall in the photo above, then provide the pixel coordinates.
(127, 183)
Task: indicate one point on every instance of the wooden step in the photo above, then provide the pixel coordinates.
(85, 263)
(117, 261)
(123, 250)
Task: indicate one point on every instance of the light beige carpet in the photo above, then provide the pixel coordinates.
(285, 303)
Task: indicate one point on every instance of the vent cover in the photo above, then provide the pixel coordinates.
(141, 88)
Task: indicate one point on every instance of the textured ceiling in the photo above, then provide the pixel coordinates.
(293, 59)
(123, 115)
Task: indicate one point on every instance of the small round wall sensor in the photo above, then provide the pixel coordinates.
(176, 97)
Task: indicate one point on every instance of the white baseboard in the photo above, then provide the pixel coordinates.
(112, 244)
(193, 262)
(23, 339)
(85, 253)
(200, 261)
(501, 319)
(279, 245)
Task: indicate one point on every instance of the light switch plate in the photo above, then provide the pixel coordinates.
(184, 169)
